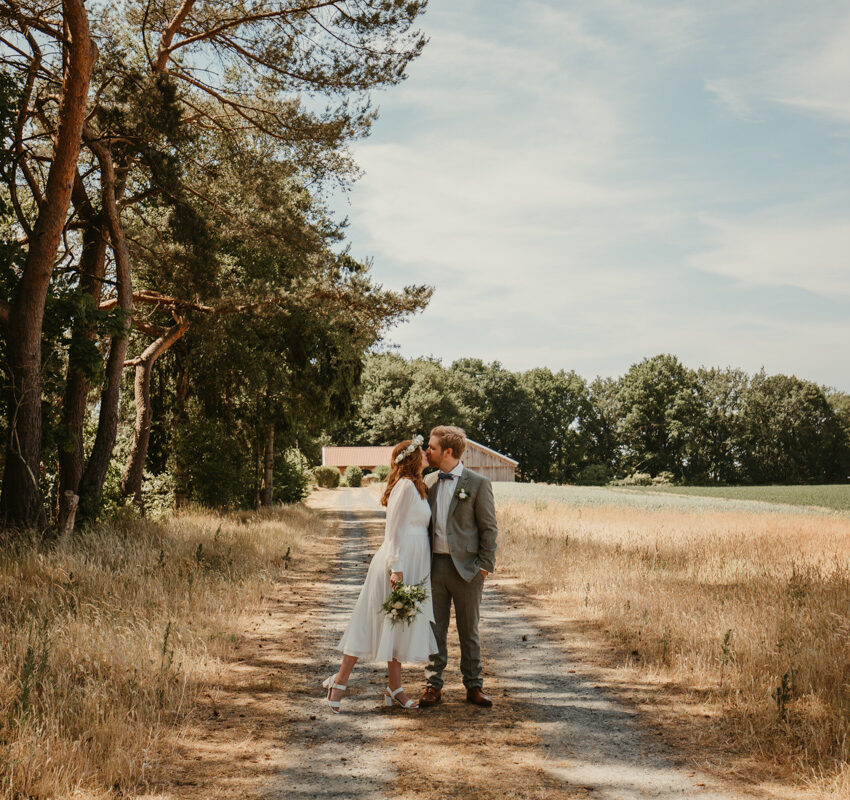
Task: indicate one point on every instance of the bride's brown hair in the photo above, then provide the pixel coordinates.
(409, 468)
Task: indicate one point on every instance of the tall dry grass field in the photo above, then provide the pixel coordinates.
(751, 609)
(106, 639)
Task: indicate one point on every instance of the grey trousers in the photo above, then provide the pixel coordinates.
(447, 586)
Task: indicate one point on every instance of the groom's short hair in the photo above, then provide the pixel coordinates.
(450, 436)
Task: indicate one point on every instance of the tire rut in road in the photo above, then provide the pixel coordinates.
(593, 741)
(340, 755)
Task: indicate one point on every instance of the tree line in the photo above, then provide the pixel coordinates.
(661, 419)
(173, 288)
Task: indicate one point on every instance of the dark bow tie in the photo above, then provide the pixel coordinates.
(446, 476)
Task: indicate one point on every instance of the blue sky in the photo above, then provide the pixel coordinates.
(587, 184)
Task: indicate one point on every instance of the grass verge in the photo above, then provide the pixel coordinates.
(748, 612)
(108, 638)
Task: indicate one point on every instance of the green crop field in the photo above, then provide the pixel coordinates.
(835, 496)
(777, 499)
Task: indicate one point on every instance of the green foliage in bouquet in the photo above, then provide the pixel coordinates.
(405, 602)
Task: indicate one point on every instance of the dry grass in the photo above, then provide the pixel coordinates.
(749, 610)
(108, 637)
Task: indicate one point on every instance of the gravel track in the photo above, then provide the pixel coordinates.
(586, 742)
(341, 755)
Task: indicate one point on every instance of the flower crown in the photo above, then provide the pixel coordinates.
(414, 445)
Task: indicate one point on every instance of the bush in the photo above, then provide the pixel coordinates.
(326, 477)
(291, 476)
(353, 476)
(158, 493)
(637, 479)
(593, 475)
(219, 469)
(381, 472)
(370, 479)
(664, 478)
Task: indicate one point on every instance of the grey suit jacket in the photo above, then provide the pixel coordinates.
(470, 525)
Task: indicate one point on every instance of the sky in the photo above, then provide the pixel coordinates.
(589, 184)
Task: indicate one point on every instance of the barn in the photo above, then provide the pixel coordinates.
(478, 457)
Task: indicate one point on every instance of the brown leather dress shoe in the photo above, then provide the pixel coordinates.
(430, 697)
(478, 697)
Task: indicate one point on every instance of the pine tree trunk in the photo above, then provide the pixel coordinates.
(94, 476)
(181, 479)
(21, 499)
(268, 466)
(257, 459)
(68, 502)
(20, 502)
(134, 471)
(75, 404)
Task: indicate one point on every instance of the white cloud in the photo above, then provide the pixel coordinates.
(671, 29)
(818, 77)
(733, 95)
(797, 60)
(569, 27)
(525, 174)
(785, 247)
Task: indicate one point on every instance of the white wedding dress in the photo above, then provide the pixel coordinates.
(407, 549)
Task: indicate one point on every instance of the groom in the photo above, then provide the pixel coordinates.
(463, 542)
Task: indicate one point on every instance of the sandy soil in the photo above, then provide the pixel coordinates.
(556, 729)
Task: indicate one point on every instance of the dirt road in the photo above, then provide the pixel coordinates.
(553, 732)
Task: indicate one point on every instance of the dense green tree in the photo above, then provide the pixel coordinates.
(218, 124)
(559, 442)
(840, 404)
(604, 452)
(499, 409)
(792, 434)
(716, 442)
(399, 398)
(657, 408)
(535, 417)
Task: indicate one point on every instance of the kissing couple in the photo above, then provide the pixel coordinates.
(441, 534)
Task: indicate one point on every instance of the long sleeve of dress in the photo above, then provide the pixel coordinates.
(400, 505)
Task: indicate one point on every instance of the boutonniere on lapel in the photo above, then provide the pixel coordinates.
(462, 494)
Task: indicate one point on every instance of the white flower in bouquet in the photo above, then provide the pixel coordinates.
(404, 602)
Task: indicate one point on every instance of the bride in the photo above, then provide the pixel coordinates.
(404, 556)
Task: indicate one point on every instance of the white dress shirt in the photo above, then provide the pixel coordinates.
(445, 491)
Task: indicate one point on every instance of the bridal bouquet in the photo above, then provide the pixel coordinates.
(404, 602)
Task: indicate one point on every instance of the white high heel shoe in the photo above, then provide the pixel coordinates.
(392, 699)
(330, 684)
